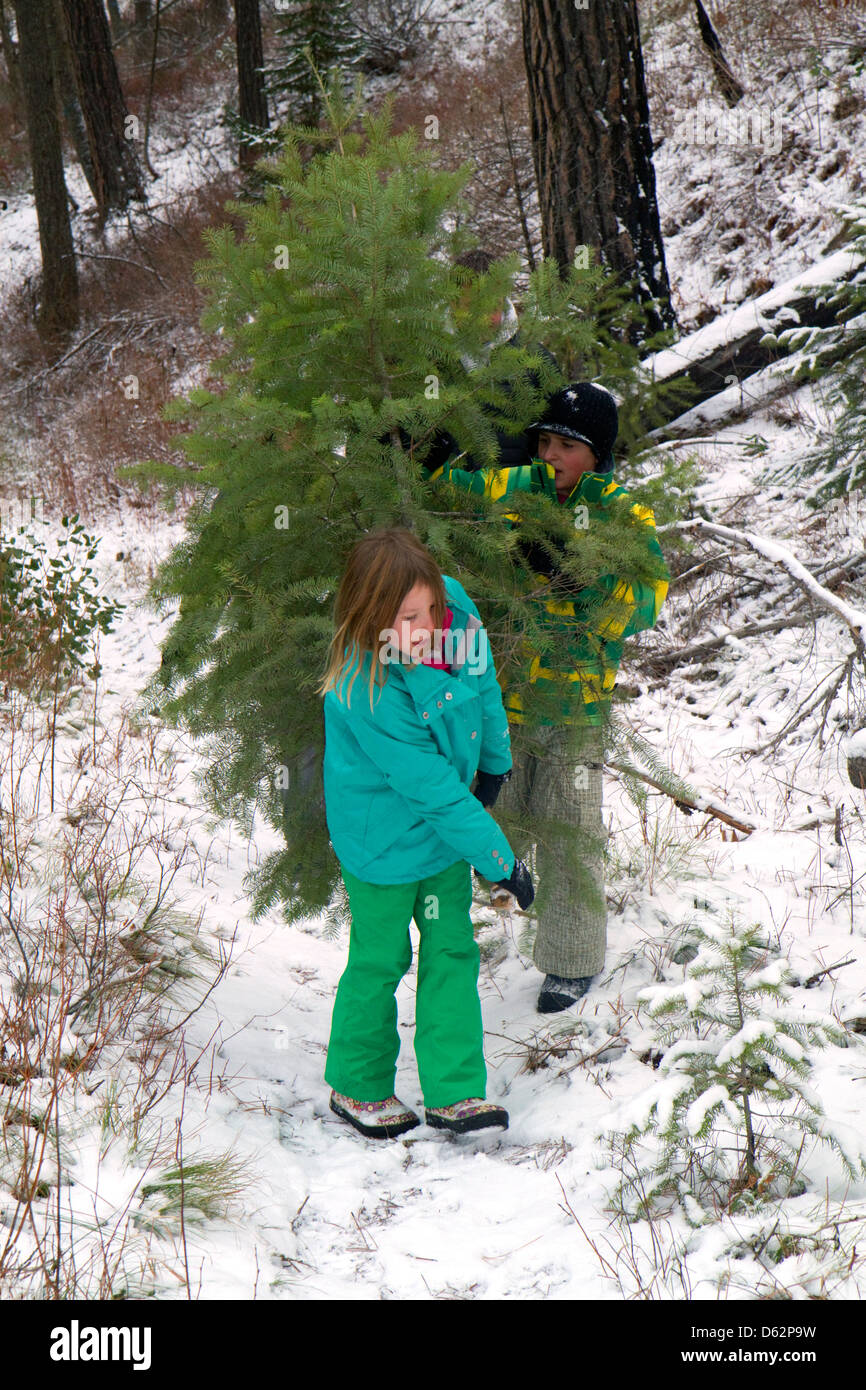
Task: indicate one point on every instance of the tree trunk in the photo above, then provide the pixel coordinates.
(114, 17)
(70, 108)
(58, 308)
(731, 89)
(117, 170)
(141, 23)
(592, 145)
(252, 101)
(10, 58)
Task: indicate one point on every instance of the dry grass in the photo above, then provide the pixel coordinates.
(99, 406)
(98, 974)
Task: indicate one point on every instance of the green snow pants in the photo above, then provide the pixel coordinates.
(362, 1054)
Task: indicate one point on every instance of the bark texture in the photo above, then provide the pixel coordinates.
(252, 101)
(591, 142)
(67, 91)
(57, 312)
(117, 171)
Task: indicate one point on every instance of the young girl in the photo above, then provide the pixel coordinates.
(402, 746)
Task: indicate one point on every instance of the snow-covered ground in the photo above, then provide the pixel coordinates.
(183, 161)
(323, 1213)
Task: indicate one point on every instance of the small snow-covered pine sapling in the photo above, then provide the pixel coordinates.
(727, 1121)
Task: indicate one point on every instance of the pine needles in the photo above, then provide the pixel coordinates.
(726, 1124)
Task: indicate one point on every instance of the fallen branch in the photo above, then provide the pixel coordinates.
(842, 567)
(826, 693)
(121, 329)
(686, 803)
(854, 618)
(668, 660)
(819, 974)
(123, 260)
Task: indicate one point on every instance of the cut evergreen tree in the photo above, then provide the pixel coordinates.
(726, 1124)
(346, 327)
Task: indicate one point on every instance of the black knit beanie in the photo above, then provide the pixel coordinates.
(581, 411)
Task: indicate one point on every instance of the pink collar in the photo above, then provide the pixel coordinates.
(430, 660)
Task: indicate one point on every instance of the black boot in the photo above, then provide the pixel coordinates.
(558, 993)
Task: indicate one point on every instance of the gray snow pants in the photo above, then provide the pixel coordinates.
(553, 801)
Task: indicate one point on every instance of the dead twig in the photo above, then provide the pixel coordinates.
(826, 694)
(778, 554)
(706, 805)
(698, 650)
(819, 974)
(123, 260)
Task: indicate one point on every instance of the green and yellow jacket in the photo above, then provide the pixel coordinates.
(588, 631)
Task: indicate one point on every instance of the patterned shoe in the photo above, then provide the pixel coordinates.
(377, 1119)
(465, 1115)
(558, 993)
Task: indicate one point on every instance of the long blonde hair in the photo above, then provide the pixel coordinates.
(381, 570)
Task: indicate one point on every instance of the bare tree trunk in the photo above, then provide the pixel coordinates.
(114, 17)
(592, 145)
(141, 22)
(58, 309)
(117, 170)
(731, 89)
(252, 101)
(149, 107)
(64, 75)
(10, 58)
(518, 188)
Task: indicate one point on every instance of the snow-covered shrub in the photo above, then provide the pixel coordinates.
(101, 962)
(726, 1123)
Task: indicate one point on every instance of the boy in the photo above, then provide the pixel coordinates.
(573, 443)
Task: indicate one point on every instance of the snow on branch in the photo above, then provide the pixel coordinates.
(855, 618)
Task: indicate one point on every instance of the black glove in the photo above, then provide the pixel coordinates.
(520, 884)
(488, 786)
(441, 449)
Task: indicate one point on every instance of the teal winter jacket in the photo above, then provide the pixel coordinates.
(397, 777)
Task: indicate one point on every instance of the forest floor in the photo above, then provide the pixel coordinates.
(281, 1200)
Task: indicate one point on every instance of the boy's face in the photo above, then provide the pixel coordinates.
(569, 457)
(462, 309)
(415, 621)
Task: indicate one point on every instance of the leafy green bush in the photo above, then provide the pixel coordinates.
(50, 610)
